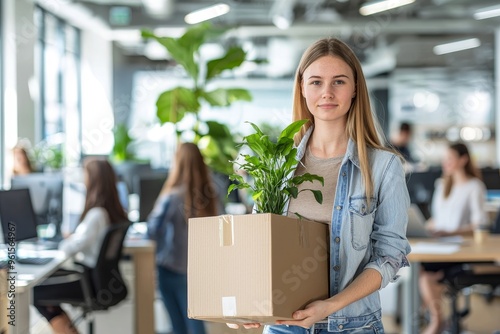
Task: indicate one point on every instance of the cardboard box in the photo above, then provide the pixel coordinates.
(256, 267)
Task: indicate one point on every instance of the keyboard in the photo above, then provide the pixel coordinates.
(34, 260)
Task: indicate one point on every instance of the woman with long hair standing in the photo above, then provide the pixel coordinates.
(188, 192)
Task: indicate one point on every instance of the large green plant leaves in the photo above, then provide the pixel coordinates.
(234, 57)
(173, 104)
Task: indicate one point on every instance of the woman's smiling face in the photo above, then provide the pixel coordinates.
(328, 87)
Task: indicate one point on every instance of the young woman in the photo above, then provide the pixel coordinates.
(188, 192)
(102, 208)
(457, 208)
(365, 199)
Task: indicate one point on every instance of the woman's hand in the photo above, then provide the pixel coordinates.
(314, 312)
(246, 326)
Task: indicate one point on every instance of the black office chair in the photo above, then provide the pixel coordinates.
(464, 276)
(103, 286)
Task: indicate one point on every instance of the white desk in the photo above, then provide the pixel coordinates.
(26, 277)
(142, 253)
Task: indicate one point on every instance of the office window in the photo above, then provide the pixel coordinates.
(2, 150)
(60, 93)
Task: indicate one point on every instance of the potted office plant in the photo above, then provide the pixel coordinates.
(214, 139)
(272, 170)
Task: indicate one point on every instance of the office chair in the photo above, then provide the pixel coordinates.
(103, 285)
(463, 276)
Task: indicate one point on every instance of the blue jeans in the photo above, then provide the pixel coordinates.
(375, 327)
(173, 290)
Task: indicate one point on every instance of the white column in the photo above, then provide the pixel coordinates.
(19, 38)
(497, 93)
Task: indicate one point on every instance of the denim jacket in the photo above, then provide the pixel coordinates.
(366, 236)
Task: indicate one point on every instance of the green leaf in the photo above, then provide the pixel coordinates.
(318, 196)
(292, 129)
(294, 191)
(307, 177)
(238, 94)
(238, 178)
(256, 195)
(234, 57)
(182, 54)
(222, 97)
(173, 104)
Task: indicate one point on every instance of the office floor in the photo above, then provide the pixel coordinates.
(483, 319)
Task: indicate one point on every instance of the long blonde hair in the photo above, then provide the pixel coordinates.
(191, 173)
(362, 126)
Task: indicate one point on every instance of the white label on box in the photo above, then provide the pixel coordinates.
(229, 306)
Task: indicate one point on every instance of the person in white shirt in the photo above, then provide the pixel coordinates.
(102, 208)
(457, 208)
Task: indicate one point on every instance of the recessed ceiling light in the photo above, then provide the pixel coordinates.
(207, 13)
(374, 7)
(465, 44)
(487, 12)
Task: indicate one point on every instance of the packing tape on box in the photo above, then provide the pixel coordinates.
(226, 230)
(229, 306)
(303, 234)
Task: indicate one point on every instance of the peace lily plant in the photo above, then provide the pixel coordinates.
(272, 170)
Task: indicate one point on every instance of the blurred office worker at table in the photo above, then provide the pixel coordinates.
(188, 192)
(102, 208)
(457, 209)
(401, 141)
(22, 163)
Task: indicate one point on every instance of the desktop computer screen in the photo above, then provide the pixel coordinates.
(46, 190)
(17, 215)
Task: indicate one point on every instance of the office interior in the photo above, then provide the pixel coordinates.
(74, 71)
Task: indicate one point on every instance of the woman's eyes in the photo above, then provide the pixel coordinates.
(335, 83)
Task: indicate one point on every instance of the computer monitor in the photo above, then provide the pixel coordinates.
(17, 216)
(491, 178)
(149, 188)
(46, 190)
(421, 188)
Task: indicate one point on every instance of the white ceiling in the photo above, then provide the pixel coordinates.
(401, 37)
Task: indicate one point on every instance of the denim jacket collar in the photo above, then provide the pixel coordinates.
(351, 152)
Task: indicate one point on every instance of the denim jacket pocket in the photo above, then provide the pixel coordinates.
(361, 218)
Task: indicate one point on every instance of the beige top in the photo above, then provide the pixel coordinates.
(305, 204)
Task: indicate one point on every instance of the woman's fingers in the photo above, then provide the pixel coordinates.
(246, 326)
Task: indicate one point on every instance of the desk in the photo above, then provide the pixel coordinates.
(143, 256)
(468, 251)
(142, 253)
(26, 277)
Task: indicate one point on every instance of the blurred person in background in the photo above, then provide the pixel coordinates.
(401, 141)
(188, 192)
(22, 163)
(102, 208)
(457, 209)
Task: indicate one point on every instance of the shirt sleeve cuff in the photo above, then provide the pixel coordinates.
(388, 268)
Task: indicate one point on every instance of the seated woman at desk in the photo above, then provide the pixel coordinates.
(102, 208)
(457, 208)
